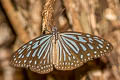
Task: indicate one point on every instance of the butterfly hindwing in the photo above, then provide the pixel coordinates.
(66, 59)
(35, 55)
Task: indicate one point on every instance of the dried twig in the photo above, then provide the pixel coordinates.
(47, 14)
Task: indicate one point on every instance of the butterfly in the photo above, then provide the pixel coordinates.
(62, 51)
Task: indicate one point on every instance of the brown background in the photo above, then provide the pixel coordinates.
(22, 20)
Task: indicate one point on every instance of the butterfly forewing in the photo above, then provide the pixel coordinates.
(75, 48)
(36, 55)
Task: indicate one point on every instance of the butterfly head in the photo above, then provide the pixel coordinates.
(54, 30)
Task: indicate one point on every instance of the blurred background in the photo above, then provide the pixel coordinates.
(20, 21)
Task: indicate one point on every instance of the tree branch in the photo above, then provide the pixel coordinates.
(15, 21)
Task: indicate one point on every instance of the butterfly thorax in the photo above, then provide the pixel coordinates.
(55, 33)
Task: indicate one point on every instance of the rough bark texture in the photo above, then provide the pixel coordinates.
(23, 20)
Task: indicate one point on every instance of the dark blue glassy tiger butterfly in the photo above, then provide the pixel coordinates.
(63, 51)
